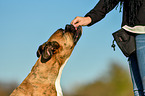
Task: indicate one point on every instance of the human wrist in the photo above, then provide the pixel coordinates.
(88, 20)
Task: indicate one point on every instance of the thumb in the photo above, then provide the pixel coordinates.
(76, 20)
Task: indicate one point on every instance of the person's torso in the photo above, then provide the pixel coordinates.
(140, 18)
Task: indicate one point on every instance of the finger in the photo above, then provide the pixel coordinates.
(72, 22)
(76, 20)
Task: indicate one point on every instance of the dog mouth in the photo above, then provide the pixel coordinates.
(76, 32)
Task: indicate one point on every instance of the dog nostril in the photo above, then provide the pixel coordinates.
(67, 27)
(63, 31)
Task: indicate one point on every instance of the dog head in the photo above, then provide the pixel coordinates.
(60, 44)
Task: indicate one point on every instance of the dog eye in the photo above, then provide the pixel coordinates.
(55, 45)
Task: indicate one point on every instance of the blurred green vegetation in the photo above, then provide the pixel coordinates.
(117, 82)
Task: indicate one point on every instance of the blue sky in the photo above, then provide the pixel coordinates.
(25, 24)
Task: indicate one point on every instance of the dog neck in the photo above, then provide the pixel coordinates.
(57, 82)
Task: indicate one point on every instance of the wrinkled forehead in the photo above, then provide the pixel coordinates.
(58, 33)
(62, 37)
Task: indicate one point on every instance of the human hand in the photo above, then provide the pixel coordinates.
(81, 21)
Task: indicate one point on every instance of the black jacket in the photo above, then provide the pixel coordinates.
(99, 12)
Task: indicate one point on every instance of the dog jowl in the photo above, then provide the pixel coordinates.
(44, 78)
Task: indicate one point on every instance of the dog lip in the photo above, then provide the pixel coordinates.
(77, 34)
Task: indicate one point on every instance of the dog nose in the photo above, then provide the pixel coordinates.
(76, 32)
(69, 28)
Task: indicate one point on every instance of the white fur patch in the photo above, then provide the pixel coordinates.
(57, 82)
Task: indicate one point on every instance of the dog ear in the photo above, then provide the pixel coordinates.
(49, 50)
(46, 54)
(40, 49)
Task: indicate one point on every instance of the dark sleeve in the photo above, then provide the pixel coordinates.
(99, 11)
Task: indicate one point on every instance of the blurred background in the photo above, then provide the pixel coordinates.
(93, 69)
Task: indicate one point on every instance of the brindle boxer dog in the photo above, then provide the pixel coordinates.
(44, 78)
